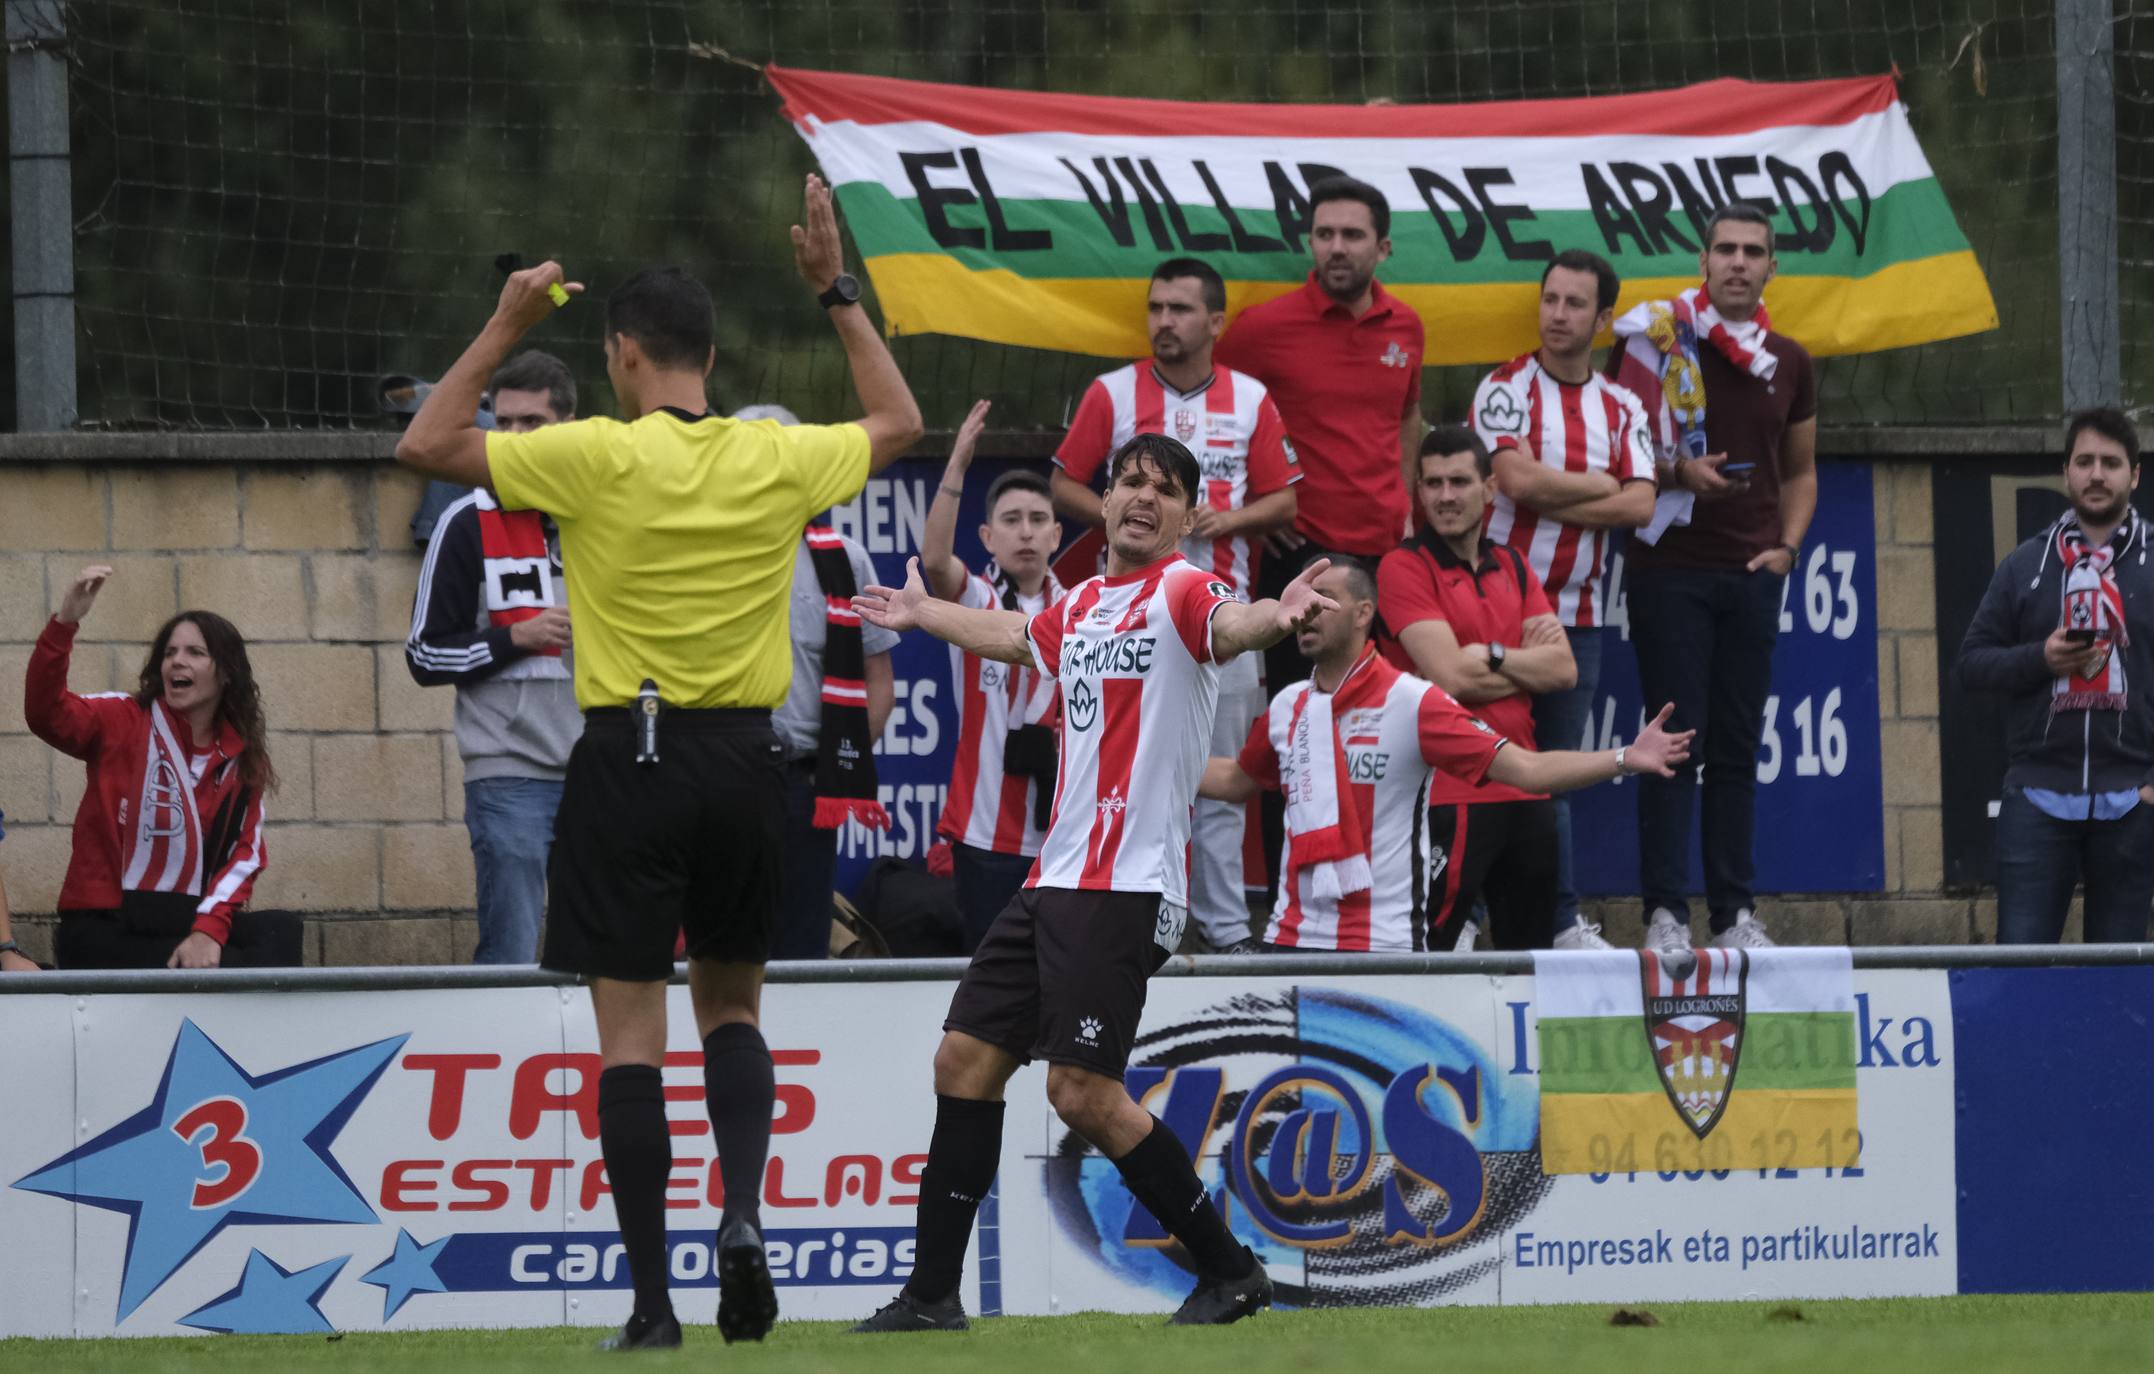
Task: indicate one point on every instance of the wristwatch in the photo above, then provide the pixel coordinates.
(10, 947)
(1620, 769)
(1495, 656)
(845, 290)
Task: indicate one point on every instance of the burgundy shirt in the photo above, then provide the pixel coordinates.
(1746, 419)
(1343, 384)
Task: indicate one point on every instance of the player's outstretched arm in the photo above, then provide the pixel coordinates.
(1225, 781)
(1655, 751)
(1260, 624)
(995, 634)
(444, 439)
(938, 534)
(893, 416)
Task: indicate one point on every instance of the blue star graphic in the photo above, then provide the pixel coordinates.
(270, 1300)
(217, 1147)
(410, 1270)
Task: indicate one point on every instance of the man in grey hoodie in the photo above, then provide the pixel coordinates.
(491, 620)
(2067, 630)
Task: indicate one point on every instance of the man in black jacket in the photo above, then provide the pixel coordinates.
(2067, 629)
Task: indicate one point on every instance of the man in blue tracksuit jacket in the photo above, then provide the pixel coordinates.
(2066, 629)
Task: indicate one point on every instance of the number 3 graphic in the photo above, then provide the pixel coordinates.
(225, 1118)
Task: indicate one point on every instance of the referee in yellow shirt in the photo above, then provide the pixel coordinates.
(677, 536)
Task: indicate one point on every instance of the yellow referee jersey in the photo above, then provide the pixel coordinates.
(677, 537)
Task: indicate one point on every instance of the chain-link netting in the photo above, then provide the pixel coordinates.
(279, 200)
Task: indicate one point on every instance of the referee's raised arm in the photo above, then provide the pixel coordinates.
(893, 417)
(444, 439)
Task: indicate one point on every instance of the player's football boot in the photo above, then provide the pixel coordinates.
(907, 1313)
(1219, 1301)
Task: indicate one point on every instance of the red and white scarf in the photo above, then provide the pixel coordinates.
(2091, 602)
(1660, 340)
(1328, 842)
(164, 846)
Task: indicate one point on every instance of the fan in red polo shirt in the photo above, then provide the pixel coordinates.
(1470, 615)
(1342, 358)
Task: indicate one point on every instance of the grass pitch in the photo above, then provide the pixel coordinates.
(2081, 1333)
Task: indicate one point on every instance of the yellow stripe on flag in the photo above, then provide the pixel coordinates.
(1601, 1133)
(1916, 302)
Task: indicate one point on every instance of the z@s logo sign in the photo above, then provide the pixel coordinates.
(1365, 1145)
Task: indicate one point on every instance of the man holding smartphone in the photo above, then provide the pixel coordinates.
(1705, 598)
(2053, 633)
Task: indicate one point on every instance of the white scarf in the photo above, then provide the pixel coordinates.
(1330, 851)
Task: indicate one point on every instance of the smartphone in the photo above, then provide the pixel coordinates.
(2079, 637)
(1738, 471)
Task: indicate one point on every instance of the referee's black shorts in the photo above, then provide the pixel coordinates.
(688, 844)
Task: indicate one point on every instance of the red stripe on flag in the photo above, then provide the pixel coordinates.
(1708, 109)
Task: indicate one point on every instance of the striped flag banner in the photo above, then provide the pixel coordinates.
(1704, 1059)
(1035, 218)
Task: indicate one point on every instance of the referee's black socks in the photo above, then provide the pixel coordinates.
(962, 1157)
(639, 1154)
(1161, 1177)
(740, 1090)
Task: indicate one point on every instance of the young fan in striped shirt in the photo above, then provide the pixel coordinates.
(1573, 457)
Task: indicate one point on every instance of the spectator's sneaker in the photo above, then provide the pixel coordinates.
(1664, 934)
(1748, 932)
(1581, 934)
(1469, 935)
(639, 1334)
(1246, 945)
(1217, 1302)
(907, 1313)
(747, 1304)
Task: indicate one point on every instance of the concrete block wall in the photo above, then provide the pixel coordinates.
(312, 557)
(314, 562)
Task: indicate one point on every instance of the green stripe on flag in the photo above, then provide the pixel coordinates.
(1908, 222)
(1780, 1050)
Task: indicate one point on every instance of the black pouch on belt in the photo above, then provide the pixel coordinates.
(648, 709)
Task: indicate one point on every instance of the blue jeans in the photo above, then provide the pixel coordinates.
(2040, 858)
(986, 881)
(1560, 720)
(1705, 642)
(806, 872)
(511, 825)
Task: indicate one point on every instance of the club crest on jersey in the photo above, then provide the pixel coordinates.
(1694, 1004)
(1500, 414)
(1396, 356)
(1185, 425)
(1082, 705)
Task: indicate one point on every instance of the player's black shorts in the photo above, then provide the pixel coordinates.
(1061, 975)
(690, 843)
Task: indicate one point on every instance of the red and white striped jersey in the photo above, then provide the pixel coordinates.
(988, 809)
(1596, 426)
(1133, 655)
(1396, 729)
(1229, 423)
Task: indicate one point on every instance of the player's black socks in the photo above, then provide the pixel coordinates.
(639, 1154)
(1161, 1177)
(740, 1089)
(962, 1157)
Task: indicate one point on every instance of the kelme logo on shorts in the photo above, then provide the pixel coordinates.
(1088, 1030)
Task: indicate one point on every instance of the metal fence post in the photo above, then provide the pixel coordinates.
(43, 230)
(2087, 204)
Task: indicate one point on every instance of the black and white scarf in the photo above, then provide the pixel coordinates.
(845, 759)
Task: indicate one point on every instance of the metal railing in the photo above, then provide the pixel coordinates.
(459, 977)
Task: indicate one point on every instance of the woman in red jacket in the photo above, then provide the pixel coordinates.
(168, 839)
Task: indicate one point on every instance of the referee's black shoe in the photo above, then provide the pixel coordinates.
(642, 1334)
(907, 1313)
(747, 1304)
(1220, 1301)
